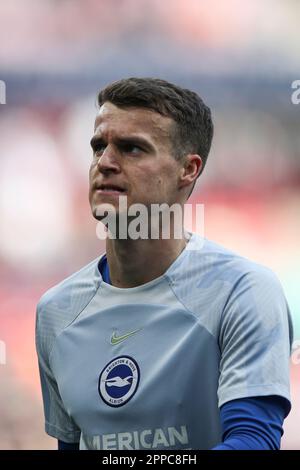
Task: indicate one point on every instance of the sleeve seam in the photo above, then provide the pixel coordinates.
(69, 324)
(189, 311)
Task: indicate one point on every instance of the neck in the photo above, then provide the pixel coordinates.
(135, 262)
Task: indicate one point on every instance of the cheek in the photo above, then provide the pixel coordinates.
(159, 181)
(92, 170)
(156, 187)
(91, 178)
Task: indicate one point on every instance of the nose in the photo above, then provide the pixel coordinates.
(108, 161)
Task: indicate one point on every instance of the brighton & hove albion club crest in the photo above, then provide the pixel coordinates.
(119, 381)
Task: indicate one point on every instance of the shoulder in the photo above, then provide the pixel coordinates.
(61, 304)
(213, 281)
(213, 264)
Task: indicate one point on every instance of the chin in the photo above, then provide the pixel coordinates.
(101, 211)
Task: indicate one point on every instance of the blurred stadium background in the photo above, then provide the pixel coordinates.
(54, 55)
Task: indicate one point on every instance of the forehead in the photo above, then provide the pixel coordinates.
(111, 118)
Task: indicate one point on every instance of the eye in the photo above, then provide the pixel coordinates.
(98, 148)
(131, 148)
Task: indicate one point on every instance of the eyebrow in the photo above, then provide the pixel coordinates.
(121, 141)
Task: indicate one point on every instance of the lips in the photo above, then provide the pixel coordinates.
(107, 187)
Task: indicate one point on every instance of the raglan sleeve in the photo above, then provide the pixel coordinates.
(255, 339)
(58, 423)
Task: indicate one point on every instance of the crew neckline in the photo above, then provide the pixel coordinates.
(165, 276)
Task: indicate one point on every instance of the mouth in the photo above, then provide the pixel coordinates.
(109, 189)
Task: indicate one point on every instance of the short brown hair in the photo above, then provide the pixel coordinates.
(193, 130)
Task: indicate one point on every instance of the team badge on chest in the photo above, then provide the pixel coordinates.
(118, 381)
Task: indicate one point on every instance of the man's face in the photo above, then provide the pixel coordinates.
(132, 156)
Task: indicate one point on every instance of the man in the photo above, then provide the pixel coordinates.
(161, 343)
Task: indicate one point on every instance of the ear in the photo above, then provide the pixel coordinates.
(190, 170)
